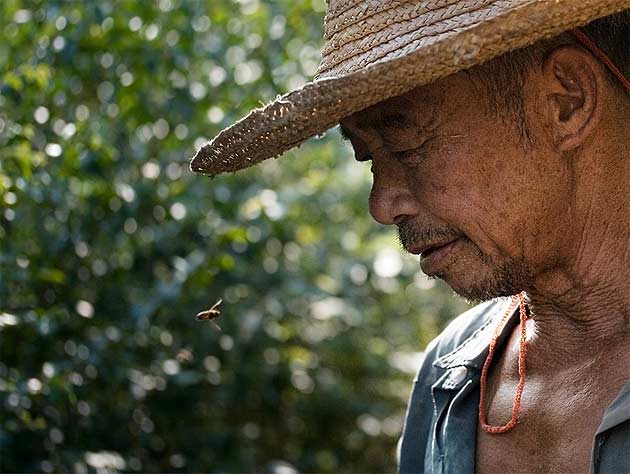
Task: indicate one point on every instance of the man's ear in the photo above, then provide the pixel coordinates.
(573, 84)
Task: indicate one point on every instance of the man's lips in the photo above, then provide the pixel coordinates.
(435, 257)
(426, 249)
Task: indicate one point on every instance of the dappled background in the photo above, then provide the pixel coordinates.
(110, 246)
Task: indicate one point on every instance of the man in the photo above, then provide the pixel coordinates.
(507, 177)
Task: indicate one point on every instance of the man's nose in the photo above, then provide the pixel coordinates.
(391, 199)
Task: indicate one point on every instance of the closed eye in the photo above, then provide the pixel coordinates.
(416, 153)
(403, 155)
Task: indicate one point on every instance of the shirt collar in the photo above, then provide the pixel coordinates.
(473, 351)
(618, 411)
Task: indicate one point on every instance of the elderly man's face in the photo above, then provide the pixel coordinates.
(484, 209)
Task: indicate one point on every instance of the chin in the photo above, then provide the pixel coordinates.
(482, 284)
(479, 294)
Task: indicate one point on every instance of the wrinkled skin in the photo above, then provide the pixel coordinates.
(550, 217)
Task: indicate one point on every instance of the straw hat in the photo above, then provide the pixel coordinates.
(377, 49)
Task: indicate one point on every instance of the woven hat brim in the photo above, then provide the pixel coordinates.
(321, 104)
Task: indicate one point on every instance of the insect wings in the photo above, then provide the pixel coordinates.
(211, 314)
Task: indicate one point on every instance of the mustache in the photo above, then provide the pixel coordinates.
(411, 235)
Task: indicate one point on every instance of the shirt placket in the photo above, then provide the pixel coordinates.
(455, 400)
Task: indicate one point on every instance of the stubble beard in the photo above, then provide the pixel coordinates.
(497, 279)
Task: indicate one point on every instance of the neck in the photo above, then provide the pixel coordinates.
(582, 307)
(583, 321)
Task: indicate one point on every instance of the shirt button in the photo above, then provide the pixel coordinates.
(458, 375)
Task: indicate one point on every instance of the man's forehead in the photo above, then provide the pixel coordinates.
(416, 108)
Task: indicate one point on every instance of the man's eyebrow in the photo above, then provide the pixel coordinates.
(387, 120)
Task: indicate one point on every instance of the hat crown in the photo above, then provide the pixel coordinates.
(359, 33)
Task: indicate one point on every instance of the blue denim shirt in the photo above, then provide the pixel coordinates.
(440, 429)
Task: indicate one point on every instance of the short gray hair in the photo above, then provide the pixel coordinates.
(503, 78)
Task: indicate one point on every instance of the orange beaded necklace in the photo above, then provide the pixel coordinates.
(522, 351)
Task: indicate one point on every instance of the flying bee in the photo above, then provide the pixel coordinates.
(211, 314)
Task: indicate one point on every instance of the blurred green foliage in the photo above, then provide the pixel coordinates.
(110, 246)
